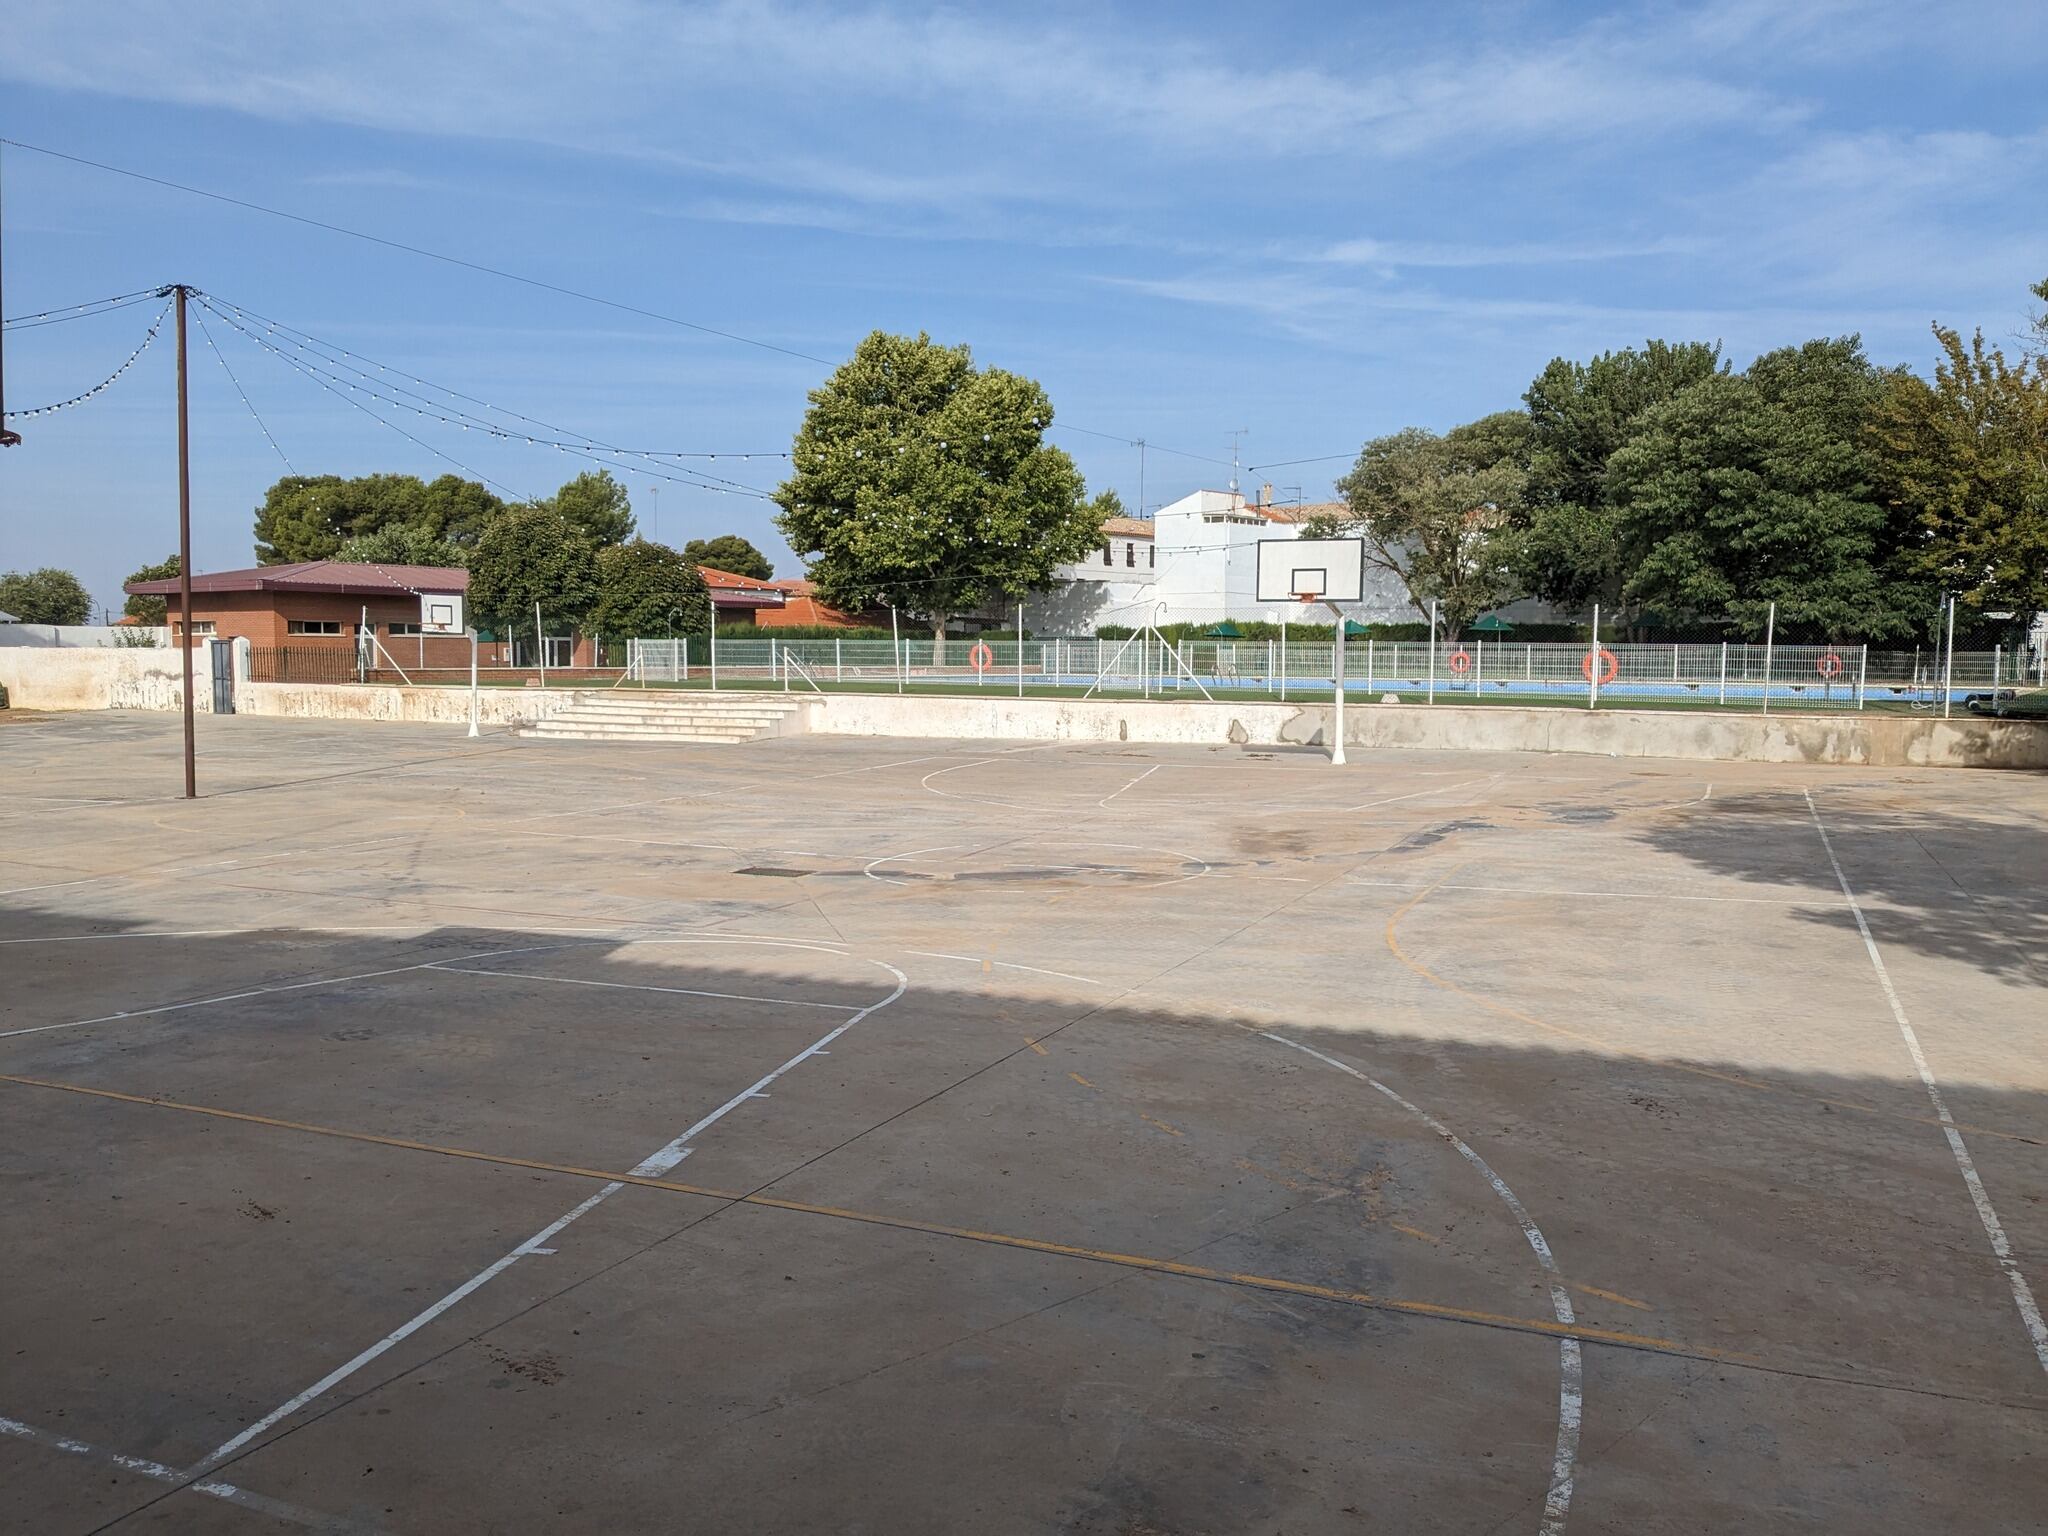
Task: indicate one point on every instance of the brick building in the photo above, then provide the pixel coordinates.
(321, 604)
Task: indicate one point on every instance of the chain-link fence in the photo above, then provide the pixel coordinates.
(1710, 675)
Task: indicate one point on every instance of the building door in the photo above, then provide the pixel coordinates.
(221, 654)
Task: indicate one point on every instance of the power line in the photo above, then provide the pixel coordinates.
(585, 447)
(1289, 463)
(515, 277)
(416, 250)
(340, 357)
(512, 277)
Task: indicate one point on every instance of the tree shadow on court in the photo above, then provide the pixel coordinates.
(1949, 884)
(1725, 1206)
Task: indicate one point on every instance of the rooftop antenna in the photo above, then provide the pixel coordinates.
(1294, 494)
(1237, 436)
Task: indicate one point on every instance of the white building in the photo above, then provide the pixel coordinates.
(1195, 562)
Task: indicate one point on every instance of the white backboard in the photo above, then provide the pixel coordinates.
(1329, 570)
(441, 613)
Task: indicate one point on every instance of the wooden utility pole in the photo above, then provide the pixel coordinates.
(185, 543)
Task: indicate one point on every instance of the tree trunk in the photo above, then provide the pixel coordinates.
(939, 621)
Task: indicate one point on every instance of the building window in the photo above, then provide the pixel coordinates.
(406, 629)
(312, 626)
(199, 627)
(1130, 553)
(1106, 558)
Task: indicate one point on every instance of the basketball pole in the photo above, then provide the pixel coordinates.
(1337, 746)
(185, 543)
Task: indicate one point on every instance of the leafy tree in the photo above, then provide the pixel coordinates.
(1966, 461)
(402, 544)
(47, 596)
(1439, 513)
(730, 552)
(1580, 414)
(307, 517)
(1744, 490)
(597, 504)
(146, 609)
(2039, 324)
(922, 481)
(649, 589)
(528, 555)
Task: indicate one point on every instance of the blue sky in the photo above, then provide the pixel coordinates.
(1316, 223)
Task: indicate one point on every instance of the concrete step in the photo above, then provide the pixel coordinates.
(663, 717)
(554, 731)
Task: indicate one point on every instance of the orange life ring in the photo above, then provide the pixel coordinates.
(1829, 665)
(981, 657)
(1460, 662)
(1610, 665)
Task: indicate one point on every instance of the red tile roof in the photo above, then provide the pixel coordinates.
(317, 576)
(731, 590)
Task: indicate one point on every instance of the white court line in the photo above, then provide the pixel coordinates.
(55, 885)
(1571, 1366)
(2022, 1294)
(634, 986)
(933, 954)
(1550, 890)
(158, 1472)
(1141, 778)
(1444, 789)
(653, 1165)
(233, 997)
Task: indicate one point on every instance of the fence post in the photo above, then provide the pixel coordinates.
(784, 667)
(1723, 696)
(1369, 683)
(714, 652)
(1432, 650)
(1478, 665)
(1948, 665)
(1674, 661)
(1862, 671)
(838, 660)
(1020, 650)
(1770, 638)
(1593, 664)
(1283, 661)
(895, 648)
(1997, 666)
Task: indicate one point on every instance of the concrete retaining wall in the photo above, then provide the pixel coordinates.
(429, 706)
(38, 677)
(1878, 741)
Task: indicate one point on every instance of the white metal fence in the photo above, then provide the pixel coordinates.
(1715, 675)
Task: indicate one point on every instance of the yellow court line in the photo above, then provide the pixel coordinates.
(1077, 1077)
(1364, 1299)
(1626, 1301)
(1037, 1047)
(1415, 1232)
(1611, 1047)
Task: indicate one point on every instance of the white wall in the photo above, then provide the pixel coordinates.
(56, 635)
(96, 677)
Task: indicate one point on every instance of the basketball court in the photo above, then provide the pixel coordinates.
(424, 1134)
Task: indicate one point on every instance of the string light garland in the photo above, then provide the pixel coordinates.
(207, 332)
(86, 311)
(104, 384)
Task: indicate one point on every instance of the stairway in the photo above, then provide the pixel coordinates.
(634, 715)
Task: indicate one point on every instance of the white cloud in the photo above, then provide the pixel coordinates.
(777, 92)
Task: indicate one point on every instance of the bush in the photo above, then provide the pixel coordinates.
(808, 632)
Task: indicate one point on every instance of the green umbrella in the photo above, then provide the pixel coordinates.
(1491, 624)
(1226, 631)
(1353, 627)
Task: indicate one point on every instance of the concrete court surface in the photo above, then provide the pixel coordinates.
(1072, 1138)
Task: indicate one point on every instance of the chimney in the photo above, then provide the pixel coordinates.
(1266, 494)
